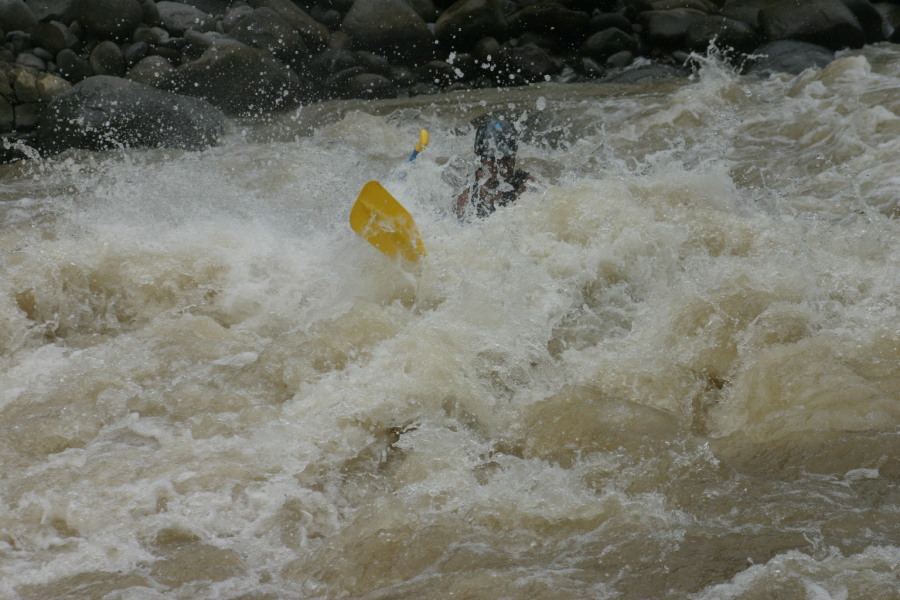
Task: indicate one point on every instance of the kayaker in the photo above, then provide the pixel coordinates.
(497, 181)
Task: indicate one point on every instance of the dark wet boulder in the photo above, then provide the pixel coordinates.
(331, 60)
(178, 17)
(468, 21)
(601, 21)
(72, 66)
(723, 32)
(389, 27)
(53, 36)
(526, 64)
(109, 112)
(563, 25)
(315, 35)
(266, 30)
(644, 73)
(788, 56)
(869, 19)
(439, 73)
(107, 59)
(370, 86)
(825, 22)
(668, 29)
(107, 19)
(15, 15)
(603, 44)
(238, 79)
(151, 70)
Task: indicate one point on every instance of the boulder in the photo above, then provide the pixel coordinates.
(107, 59)
(48, 10)
(389, 27)
(266, 30)
(107, 19)
(603, 44)
(825, 22)
(178, 17)
(15, 15)
(331, 61)
(668, 28)
(151, 70)
(238, 79)
(370, 86)
(869, 19)
(561, 24)
(53, 36)
(727, 33)
(108, 112)
(468, 21)
(526, 64)
(314, 34)
(50, 86)
(788, 56)
(745, 10)
(72, 66)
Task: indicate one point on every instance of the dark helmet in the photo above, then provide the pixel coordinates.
(496, 138)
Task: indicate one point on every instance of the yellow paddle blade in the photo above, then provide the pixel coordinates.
(382, 221)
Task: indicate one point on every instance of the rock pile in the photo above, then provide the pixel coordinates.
(250, 57)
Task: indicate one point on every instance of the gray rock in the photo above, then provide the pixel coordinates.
(27, 59)
(47, 10)
(314, 34)
(7, 115)
(239, 80)
(108, 112)
(788, 56)
(49, 86)
(235, 14)
(15, 14)
(526, 64)
(107, 19)
(389, 27)
(603, 44)
(561, 24)
(869, 19)
(107, 59)
(24, 85)
(825, 22)
(369, 86)
(73, 67)
(331, 61)
(53, 36)
(266, 30)
(668, 28)
(178, 17)
(467, 21)
(151, 70)
(28, 115)
(726, 32)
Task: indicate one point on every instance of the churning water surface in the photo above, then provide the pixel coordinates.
(671, 371)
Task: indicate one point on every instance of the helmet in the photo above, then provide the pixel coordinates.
(496, 138)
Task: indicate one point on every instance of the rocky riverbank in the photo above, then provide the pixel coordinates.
(104, 73)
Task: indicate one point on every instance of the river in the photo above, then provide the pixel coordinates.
(670, 371)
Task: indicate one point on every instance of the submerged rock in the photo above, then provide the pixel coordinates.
(105, 112)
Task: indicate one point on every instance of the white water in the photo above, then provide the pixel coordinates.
(673, 371)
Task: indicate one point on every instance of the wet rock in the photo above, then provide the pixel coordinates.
(869, 19)
(151, 12)
(826, 22)
(426, 9)
(212, 7)
(787, 56)
(265, 29)
(746, 11)
(620, 60)
(107, 59)
(15, 15)
(27, 115)
(49, 86)
(108, 112)
(725, 32)
(668, 28)
(7, 116)
(178, 17)
(424, 89)
(468, 21)
(73, 67)
(704, 6)
(331, 61)
(591, 68)
(49, 10)
(374, 63)
(107, 19)
(402, 76)
(136, 52)
(328, 17)
(603, 44)
(602, 21)
(24, 86)
(561, 24)
(370, 86)
(234, 15)
(439, 73)
(390, 27)
(27, 59)
(53, 36)
(527, 64)
(651, 71)
(238, 79)
(151, 70)
(336, 86)
(314, 34)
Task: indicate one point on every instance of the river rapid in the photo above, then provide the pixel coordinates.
(671, 371)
